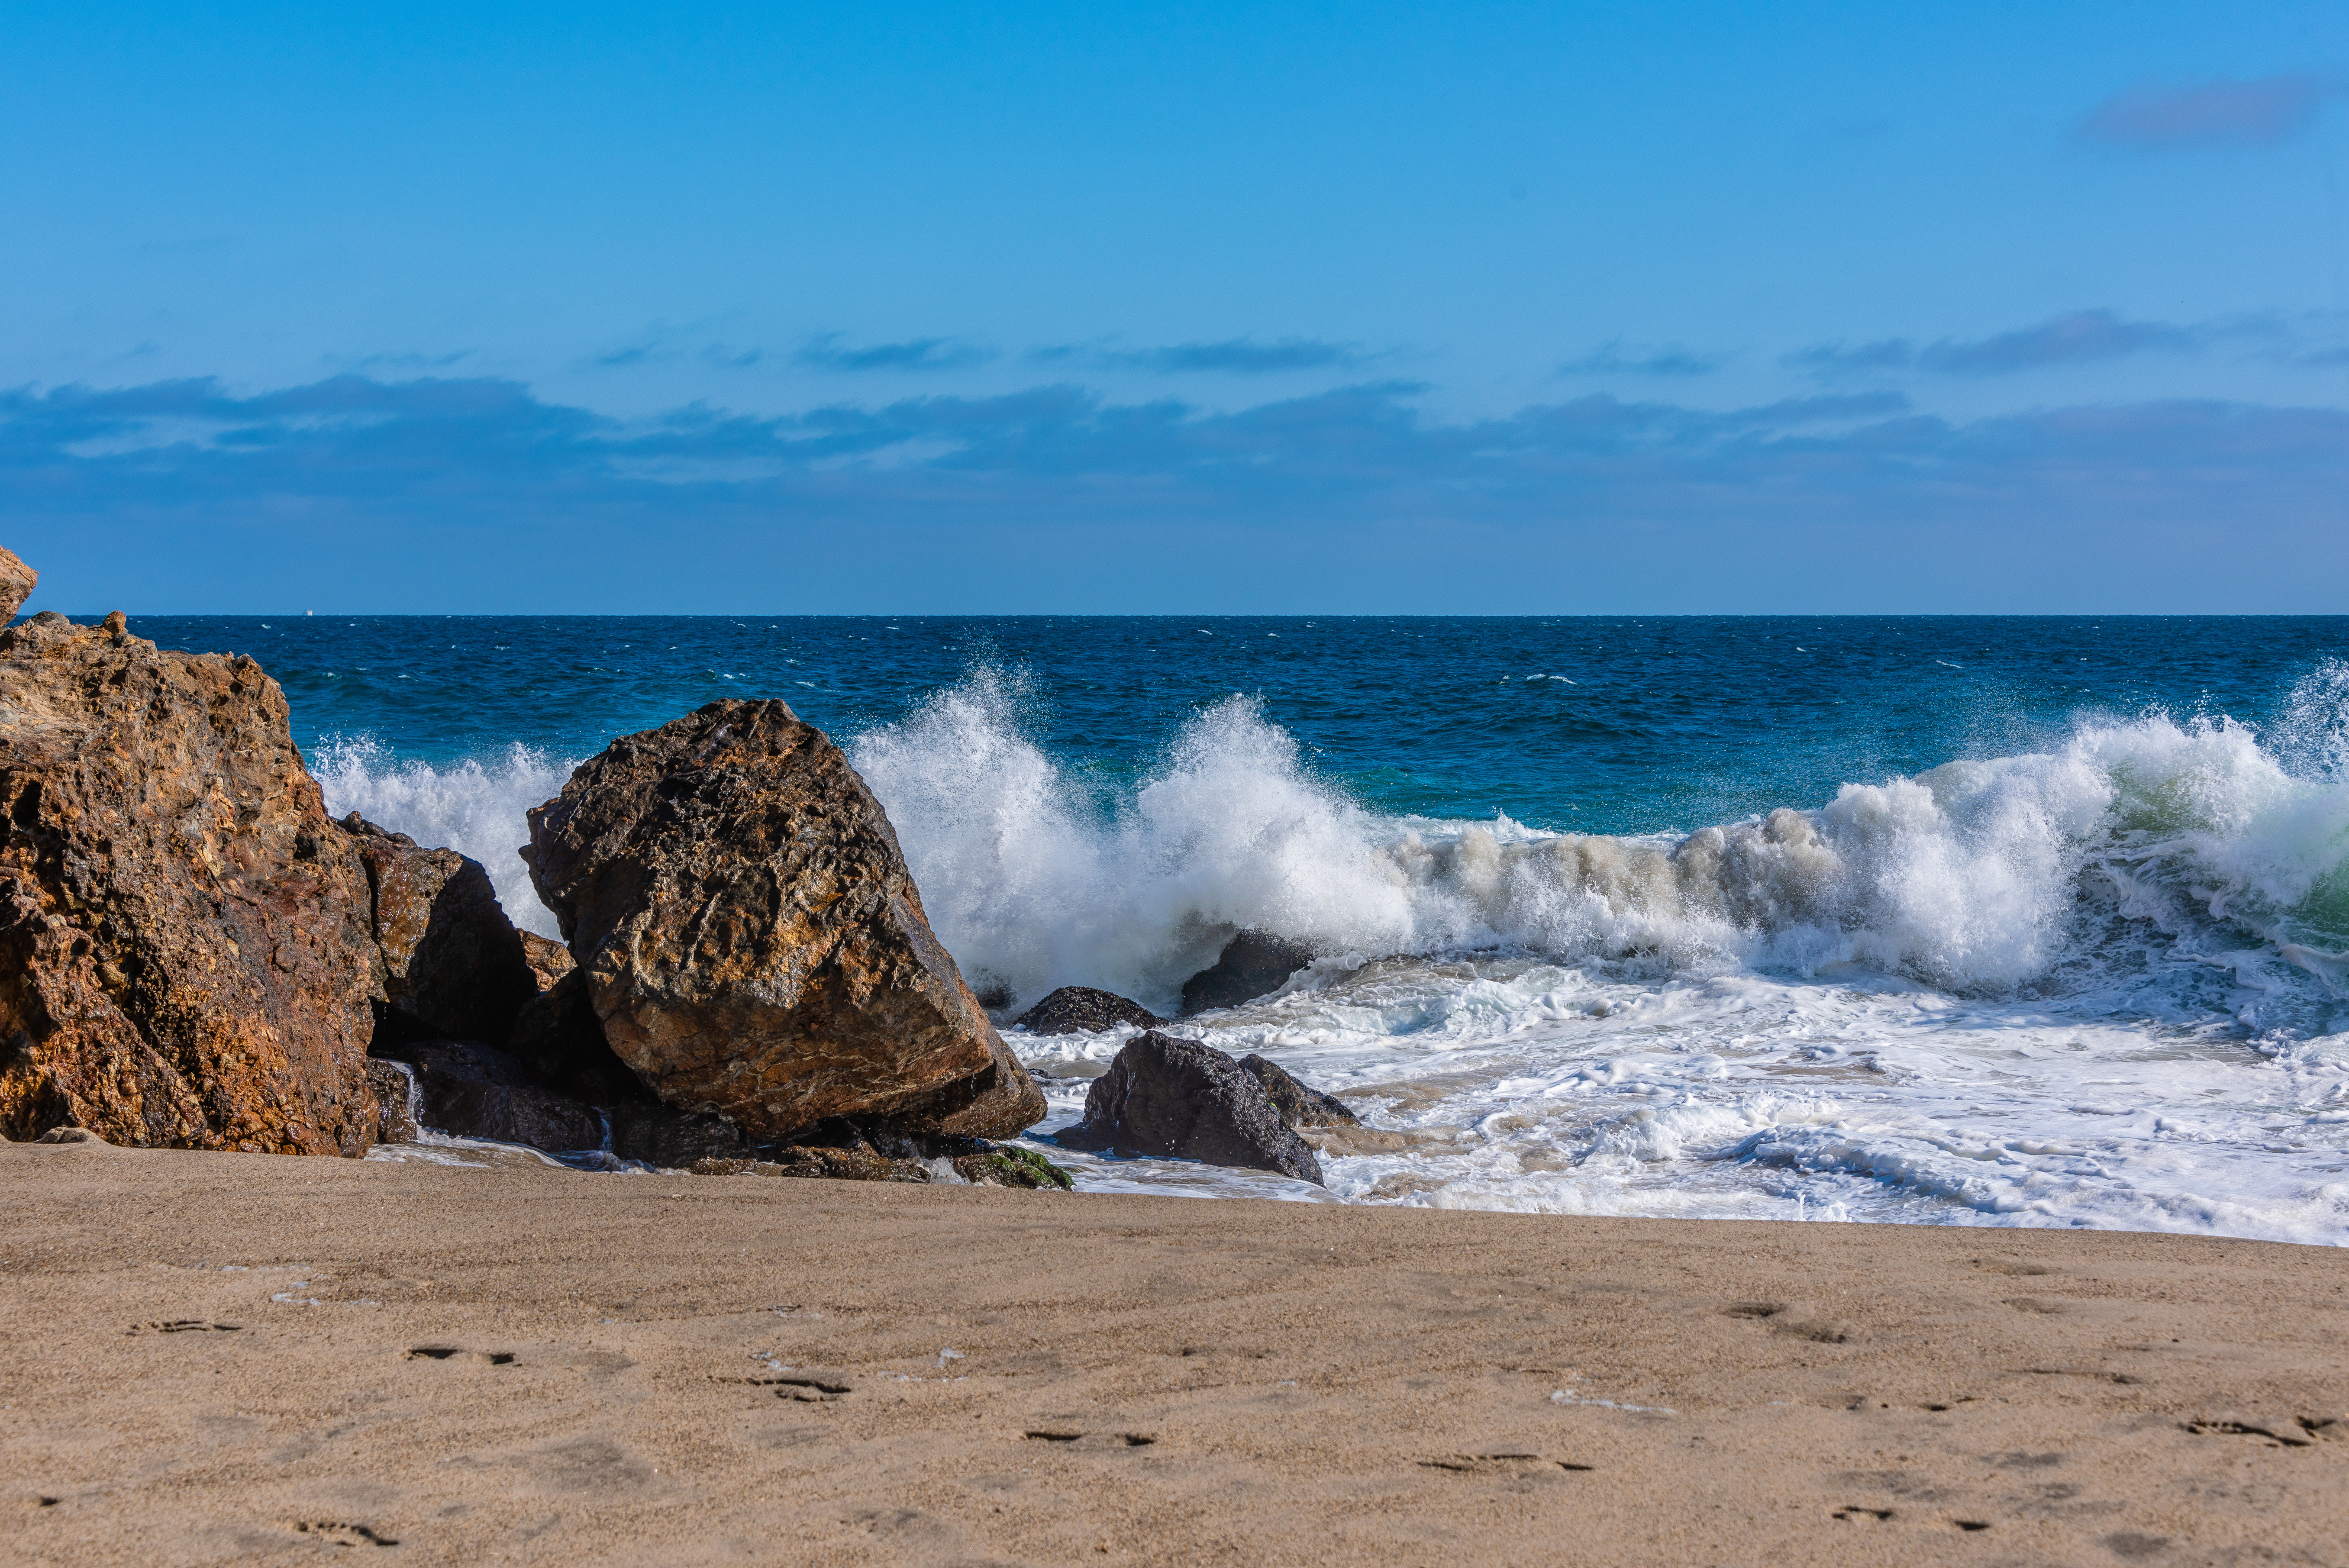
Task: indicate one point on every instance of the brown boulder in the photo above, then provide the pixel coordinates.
(454, 967)
(752, 941)
(549, 959)
(17, 581)
(185, 956)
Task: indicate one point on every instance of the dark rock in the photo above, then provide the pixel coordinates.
(477, 1091)
(1253, 964)
(186, 953)
(645, 1129)
(454, 967)
(68, 1135)
(1299, 1106)
(17, 581)
(558, 1034)
(394, 1084)
(751, 940)
(835, 1164)
(996, 1165)
(1079, 1007)
(1179, 1099)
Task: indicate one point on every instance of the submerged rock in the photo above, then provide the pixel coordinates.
(1299, 1105)
(17, 582)
(1179, 1099)
(186, 957)
(455, 966)
(1253, 964)
(752, 940)
(1080, 1007)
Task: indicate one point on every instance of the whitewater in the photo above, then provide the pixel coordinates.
(2101, 983)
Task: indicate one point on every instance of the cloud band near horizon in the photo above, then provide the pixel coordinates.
(478, 495)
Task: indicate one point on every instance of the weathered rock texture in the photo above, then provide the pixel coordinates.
(185, 951)
(455, 966)
(17, 581)
(1299, 1105)
(752, 940)
(1253, 964)
(1080, 1007)
(1179, 1099)
(549, 959)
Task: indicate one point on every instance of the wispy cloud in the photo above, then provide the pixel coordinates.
(827, 353)
(1228, 357)
(1618, 359)
(2075, 337)
(2258, 112)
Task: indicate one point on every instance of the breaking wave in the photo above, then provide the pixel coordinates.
(1977, 877)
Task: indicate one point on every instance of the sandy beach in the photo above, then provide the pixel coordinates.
(215, 1358)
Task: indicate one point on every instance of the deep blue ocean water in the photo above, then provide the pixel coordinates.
(1937, 920)
(1595, 725)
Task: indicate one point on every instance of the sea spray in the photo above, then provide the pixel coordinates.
(472, 807)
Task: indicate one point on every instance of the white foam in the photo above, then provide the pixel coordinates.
(470, 807)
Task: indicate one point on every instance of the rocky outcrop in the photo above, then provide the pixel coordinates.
(454, 967)
(750, 940)
(1253, 964)
(1178, 1099)
(186, 957)
(1299, 1105)
(17, 581)
(1075, 1008)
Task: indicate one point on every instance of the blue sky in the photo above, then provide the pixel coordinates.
(1454, 308)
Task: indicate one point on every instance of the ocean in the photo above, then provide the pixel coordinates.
(1962, 921)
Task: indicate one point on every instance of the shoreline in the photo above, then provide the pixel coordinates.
(741, 1368)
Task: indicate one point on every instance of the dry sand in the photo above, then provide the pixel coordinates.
(233, 1356)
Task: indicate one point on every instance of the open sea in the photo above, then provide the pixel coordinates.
(2032, 921)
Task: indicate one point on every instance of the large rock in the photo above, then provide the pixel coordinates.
(17, 581)
(185, 953)
(455, 966)
(1075, 1008)
(752, 940)
(1178, 1099)
(1253, 964)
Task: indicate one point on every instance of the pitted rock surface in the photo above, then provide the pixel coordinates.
(1080, 1007)
(752, 940)
(185, 953)
(17, 582)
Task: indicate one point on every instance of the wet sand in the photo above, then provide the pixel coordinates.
(217, 1357)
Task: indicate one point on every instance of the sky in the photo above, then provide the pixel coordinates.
(1376, 309)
